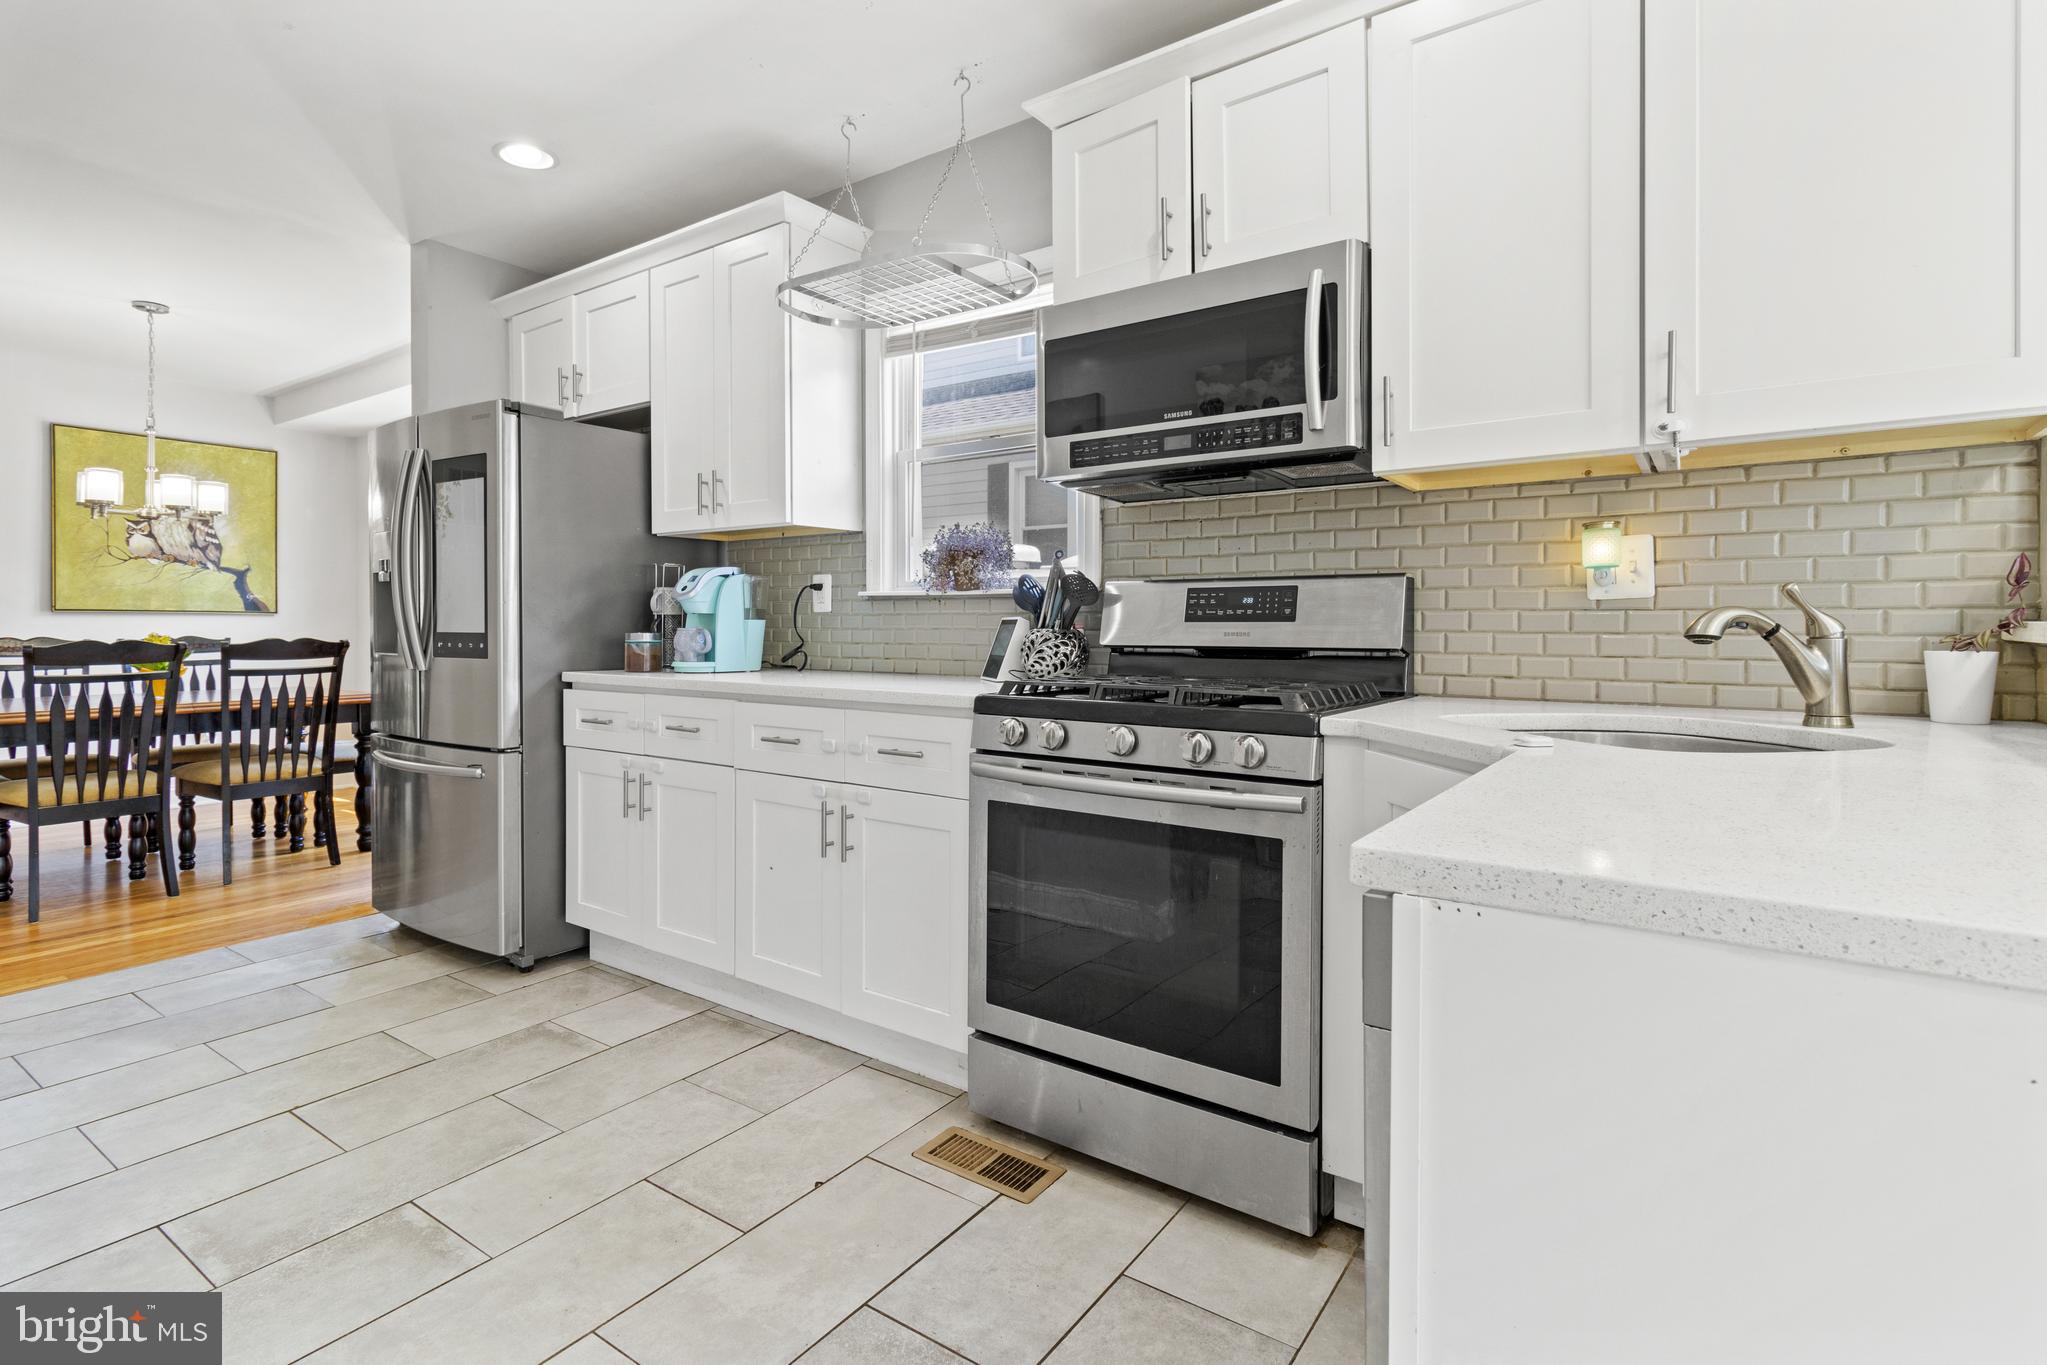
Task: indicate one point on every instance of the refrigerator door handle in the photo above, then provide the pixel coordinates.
(467, 771)
(422, 558)
(401, 562)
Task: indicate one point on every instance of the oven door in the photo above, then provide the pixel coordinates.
(1162, 928)
(1264, 361)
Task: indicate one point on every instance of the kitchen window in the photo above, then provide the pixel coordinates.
(954, 442)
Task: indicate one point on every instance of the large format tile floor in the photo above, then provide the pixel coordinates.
(384, 1150)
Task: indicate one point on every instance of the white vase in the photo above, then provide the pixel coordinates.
(1961, 685)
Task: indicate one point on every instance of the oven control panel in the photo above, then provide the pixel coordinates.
(1244, 602)
(1250, 433)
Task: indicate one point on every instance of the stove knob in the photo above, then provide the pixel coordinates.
(1196, 747)
(1011, 731)
(1052, 734)
(1250, 751)
(1122, 740)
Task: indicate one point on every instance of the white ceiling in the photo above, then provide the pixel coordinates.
(260, 165)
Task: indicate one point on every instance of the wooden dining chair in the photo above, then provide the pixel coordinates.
(91, 736)
(279, 708)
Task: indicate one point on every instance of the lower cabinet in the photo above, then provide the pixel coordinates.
(650, 853)
(854, 898)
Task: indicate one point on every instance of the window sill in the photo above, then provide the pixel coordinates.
(939, 596)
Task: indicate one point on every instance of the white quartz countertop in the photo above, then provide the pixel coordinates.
(895, 691)
(1922, 855)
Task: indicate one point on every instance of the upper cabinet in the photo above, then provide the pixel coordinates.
(540, 342)
(1844, 208)
(1119, 195)
(1505, 255)
(1279, 151)
(1248, 160)
(740, 395)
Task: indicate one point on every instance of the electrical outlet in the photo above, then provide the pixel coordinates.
(821, 598)
(1635, 577)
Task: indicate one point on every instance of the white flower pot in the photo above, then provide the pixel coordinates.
(1961, 685)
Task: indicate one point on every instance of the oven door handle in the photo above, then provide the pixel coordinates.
(1143, 791)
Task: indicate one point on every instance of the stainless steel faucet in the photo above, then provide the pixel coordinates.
(1818, 666)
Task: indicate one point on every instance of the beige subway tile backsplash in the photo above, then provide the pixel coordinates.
(1903, 548)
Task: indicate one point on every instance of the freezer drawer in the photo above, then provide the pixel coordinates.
(448, 826)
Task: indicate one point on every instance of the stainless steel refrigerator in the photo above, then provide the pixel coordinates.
(506, 546)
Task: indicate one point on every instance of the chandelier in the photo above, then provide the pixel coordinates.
(165, 497)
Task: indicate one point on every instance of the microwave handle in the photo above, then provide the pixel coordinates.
(1311, 351)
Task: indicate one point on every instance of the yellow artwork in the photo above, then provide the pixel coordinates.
(209, 544)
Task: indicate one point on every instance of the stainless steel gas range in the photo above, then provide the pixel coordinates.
(1147, 905)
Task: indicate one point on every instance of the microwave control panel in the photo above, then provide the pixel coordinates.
(1249, 433)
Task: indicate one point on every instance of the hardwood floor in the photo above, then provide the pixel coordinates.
(96, 920)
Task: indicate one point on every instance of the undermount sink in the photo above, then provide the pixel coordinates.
(1684, 744)
(1673, 734)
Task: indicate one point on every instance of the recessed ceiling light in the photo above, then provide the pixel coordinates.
(524, 155)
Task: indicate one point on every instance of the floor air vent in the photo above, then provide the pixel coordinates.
(984, 1161)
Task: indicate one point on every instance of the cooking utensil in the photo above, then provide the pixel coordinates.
(1029, 594)
(1055, 590)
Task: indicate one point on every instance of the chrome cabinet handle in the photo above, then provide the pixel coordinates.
(643, 796)
(824, 828)
(1386, 411)
(683, 729)
(1311, 352)
(576, 384)
(779, 739)
(561, 388)
(901, 753)
(1165, 229)
(625, 793)
(845, 833)
(1670, 372)
(716, 479)
(701, 511)
(596, 720)
(1204, 223)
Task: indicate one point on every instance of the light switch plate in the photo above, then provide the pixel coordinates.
(1636, 576)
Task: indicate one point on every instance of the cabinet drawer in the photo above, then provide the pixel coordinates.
(602, 720)
(800, 741)
(908, 753)
(696, 728)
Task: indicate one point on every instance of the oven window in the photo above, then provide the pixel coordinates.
(1235, 357)
(1161, 936)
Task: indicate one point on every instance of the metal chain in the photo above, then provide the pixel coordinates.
(959, 145)
(846, 130)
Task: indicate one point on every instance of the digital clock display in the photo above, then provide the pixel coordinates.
(1244, 602)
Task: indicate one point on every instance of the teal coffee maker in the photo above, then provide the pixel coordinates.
(718, 635)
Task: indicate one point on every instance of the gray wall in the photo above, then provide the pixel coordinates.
(458, 340)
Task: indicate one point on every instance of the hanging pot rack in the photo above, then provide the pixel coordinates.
(900, 279)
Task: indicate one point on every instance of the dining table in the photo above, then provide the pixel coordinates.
(198, 718)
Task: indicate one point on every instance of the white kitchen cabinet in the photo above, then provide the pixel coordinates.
(1279, 151)
(682, 353)
(686, 861)
(541, 345)
(1363, 788)
(756, 418)
(1618, 1145)
(903, 923)
(603, 890)
(787, 921)
(1506, 193)
(609, 369)
(1843, 204)
(650, 853)
(1121, 210)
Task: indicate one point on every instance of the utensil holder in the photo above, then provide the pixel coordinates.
(1049, 653)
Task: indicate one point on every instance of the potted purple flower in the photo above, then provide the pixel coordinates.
(1961, 677)
(967, 558)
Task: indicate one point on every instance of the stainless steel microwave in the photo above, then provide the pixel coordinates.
(1249, 378)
